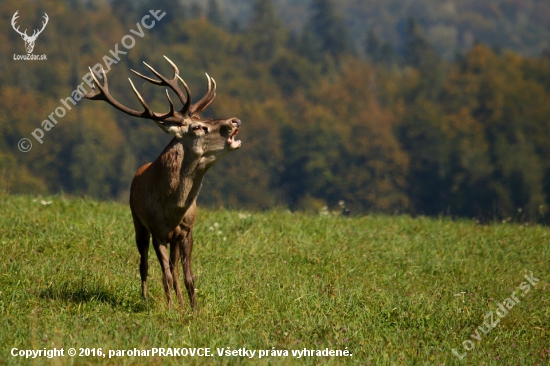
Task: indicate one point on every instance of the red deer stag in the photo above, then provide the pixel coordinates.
(163, 195)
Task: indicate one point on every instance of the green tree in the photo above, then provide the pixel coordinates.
(346, 149)
(421, 134)
(195, 11)
(293, 73)
(175, 12)
(214, 14)
(329, 30)
(377, 51)
(124, 10)
(419, 54)
(265, 31)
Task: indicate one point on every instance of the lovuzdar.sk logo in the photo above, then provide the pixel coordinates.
(29, 40)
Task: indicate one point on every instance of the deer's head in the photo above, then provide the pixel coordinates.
(29, 40)
(208, 139)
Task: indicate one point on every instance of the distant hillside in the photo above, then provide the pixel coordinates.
(403, 131)
(519, 25)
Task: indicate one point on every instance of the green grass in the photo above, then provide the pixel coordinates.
(393, 290)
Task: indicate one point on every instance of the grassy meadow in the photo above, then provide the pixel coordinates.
(391, 290)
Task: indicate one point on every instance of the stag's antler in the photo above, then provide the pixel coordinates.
(172, 116)
(207, 99)
(196, 108)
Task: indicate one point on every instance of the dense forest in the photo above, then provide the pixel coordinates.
(449, 25)
(360, 102)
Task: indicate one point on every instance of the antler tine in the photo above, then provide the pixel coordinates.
(169, 117)
(164, 81)
(147, 109)
(103, 94)
(208, 97)
(199, 106)
(105, 82)
(213, 94)
(176, 70)
(103, 89)
(155, 72)
(171, 104)
(172, 84)
(185, 109)
(209, 79)
(156, 82)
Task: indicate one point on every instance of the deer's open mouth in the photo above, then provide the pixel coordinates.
(234, 144)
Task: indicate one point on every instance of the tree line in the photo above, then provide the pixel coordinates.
(384, 128)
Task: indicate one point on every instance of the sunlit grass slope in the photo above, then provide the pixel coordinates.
(392, 290)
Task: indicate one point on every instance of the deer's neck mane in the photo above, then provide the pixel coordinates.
(179, 174)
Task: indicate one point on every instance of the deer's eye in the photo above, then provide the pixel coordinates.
(196, 127)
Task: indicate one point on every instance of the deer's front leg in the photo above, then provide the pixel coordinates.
(175, 257)
(189, 279)
(142, 241)
(162, 255)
